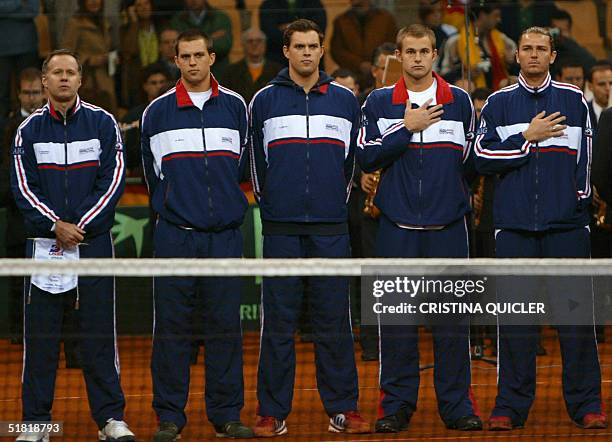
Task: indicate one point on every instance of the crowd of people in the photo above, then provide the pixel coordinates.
(430, 165)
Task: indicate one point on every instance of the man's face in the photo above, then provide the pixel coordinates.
(417, 56)
(602, 80)
(534, 54)
(573, 75)
(31, 95)
(488, 22)
(143, 8)
(194, 61)
(378, 70)
(167, 43)
(154, 85)
(563, 26)
(478, 105)
(304, 53)
(348, 82)
(62, 78)
(254, 46)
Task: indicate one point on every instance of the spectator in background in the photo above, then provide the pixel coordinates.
(156, 81)
(347, 79)
(571, 72)
(88, 34)
(31, 97)
(275, 16)
(167, 52)
(491, 52)
(253, 72)
(567, 48)
(18, 44)
(357, 32)
(377, 71)
(430, 13)
(198, 14)
(600, 81)
(522, 14)
(139, 48)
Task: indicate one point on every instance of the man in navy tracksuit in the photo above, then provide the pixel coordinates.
(193, 140)
(303, 129)
(419, 133)
(537, 136)
(67, 176)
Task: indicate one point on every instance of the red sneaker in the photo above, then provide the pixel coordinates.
(269, 426)
(348, 422)
(592, 421)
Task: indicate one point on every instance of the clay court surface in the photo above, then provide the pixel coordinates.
(548, 419)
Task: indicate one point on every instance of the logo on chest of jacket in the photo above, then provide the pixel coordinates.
(444, 131)
(227, 140)
(86, 150)
(332, 127)
(55, 251)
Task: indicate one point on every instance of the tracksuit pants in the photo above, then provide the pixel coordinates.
(97, 336)
(330, 315)
(174, 303)
(517, 344)
(399, 350)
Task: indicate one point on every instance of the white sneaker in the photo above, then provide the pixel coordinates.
(116, 431)
(32, 436)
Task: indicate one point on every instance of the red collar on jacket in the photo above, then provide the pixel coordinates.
(182, 96)
(444, 95)
(71, 111)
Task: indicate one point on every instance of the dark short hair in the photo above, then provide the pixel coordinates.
(302, 25)
(417, 31)
(481, 93)
(154, 69)
(567, 63)
(541, 31)
(191, 35)
(343, 73)
(29, 74)
(560, 14)
(387, 48)
(57, 53)
(600, 65)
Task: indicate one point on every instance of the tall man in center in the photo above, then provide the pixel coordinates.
(193, 140)
(303, 133)
(419, 132)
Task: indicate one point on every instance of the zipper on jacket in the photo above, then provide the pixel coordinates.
(65, 166)
(421, 176)
(537, 175)
(307, 156)
(210, 204)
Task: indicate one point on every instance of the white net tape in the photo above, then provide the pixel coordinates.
(307, 267)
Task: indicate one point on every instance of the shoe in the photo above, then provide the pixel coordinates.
(594, 421)
(502, 423)
(348, 422)
(466, 423)
(116, 431)
(167, 432)
(31, 436)
(393, 423)
(234, 430)
(269, 426)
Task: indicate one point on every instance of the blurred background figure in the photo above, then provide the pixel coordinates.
(88, 34)
(275, 15)
(357, 33)
(167, 52)
(347, 79)
(213, 22)
(572, 72)
(139, 48)
(254, 70)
